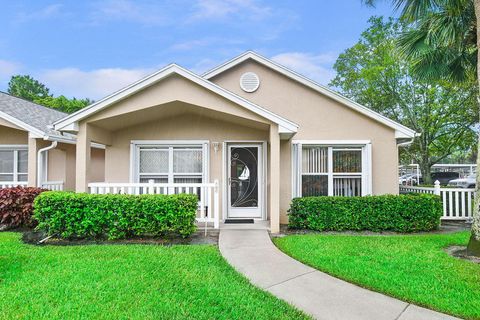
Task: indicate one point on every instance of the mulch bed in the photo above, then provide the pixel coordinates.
(33, 237)
(461, 253)
(447, 227)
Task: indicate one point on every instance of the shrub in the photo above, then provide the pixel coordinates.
(400, 213)
(16, 207)
(115, 216)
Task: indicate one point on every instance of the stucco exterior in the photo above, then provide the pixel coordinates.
(10, 134)
(175, 104)
(320, 118)
(61, 165)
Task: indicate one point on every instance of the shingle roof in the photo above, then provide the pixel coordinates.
(34, 115)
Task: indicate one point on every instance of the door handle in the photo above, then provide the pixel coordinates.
(229, 181)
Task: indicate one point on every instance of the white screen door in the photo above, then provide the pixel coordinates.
(245, 174)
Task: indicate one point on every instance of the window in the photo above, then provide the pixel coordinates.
(321, 170)
(171, 163)
(13, 164)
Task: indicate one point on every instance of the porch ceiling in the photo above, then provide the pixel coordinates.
(171, 110)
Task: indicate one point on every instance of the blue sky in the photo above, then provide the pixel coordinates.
(92, 48)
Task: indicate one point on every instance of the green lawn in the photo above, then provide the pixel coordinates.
(413, 268)
(127, 282)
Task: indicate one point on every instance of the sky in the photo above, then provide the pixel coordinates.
(89, 49)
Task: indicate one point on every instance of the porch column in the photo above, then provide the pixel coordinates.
(32, 162)
(34, 144)
(82, 165)
(274, 165)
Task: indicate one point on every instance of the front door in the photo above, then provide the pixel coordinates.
(245, 174)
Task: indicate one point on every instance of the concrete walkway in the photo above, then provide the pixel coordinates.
(252, 253)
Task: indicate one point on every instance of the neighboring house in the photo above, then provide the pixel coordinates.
(32, 153)
(263, 132)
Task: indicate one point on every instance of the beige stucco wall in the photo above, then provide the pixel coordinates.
(176, 109)
(11, 135)
(61, 165)
(319, 118)
(173, 88)
(184, 127)
(97, 163)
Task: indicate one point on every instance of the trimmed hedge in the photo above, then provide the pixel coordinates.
(115, 216)
(400, 213)
(16, 207)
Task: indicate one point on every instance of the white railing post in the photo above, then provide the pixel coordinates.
(151, 186)
(216, 211)
(436, 189)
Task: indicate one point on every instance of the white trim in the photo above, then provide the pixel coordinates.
(169, 142)
(224, 180)
(332, 142)
(261, 180)
(14, 146)
(73, 141)
(329, 171)
(264, 180)
(285, 125)
(296, 166)
(36, 133)
(400, 130)
(135, 156)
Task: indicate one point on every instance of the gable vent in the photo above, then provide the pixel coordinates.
(249, 82)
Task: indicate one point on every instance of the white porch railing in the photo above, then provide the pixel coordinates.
(11, 184)
(208, 204)
(457, 202)
(53, 185)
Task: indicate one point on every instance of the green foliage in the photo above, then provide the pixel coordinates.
(28, 88)
(441, 41)
(400, 213)
(115, 216)
(412, 268)
(16, 207)
(61, 103)
(375, 74)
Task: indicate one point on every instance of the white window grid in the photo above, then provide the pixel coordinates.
(334, 178)
(170, 175)
(16, 173)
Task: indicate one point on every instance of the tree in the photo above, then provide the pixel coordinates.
(443, 43)
(62, 103)
(32, 90)
(373, 74)
(27, 88)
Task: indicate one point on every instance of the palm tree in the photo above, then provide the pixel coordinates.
(442, 43)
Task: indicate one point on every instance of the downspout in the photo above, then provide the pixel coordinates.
(406, 143)
(40, 162)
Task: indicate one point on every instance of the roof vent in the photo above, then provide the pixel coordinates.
(249, 82)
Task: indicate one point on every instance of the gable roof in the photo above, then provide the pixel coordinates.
(401, 131)
(31, 117)
(70, 122)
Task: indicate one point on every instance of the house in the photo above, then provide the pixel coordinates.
(32, 153)
(246, 136)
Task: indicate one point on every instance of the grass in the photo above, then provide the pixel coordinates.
(413, 268)
(127, 282)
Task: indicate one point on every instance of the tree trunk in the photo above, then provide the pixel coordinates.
(474, 244)
(425, 169)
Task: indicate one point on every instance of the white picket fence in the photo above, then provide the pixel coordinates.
(50, 185)
(11, 184)
(457, 202)
(208, 194)
(53, 185)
